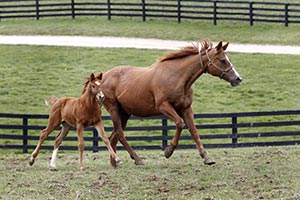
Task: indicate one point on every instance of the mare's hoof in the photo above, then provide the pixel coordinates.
(208, 161)
(169, 151)
(138, 162)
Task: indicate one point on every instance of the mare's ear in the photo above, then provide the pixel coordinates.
(92, 77)
(219, 46)
(100, 76)
(225, 46)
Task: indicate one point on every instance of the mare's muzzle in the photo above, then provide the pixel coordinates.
(236, 81)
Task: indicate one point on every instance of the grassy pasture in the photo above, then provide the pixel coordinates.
(237, 32)
(248, 173)
(36, 73)
(29, 74)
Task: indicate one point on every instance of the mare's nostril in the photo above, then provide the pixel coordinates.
(239, 79)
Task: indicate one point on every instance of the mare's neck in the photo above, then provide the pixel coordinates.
(193, 69)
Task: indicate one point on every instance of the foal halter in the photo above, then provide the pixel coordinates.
(210, 62)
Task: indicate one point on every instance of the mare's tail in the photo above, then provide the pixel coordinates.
(51, 100)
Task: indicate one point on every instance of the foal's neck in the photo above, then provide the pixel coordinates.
(89, 99)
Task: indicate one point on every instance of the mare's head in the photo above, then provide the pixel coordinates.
(220, 65)
(93, 87)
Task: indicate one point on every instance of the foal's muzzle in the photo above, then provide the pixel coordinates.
(100, 97)
(236, 81)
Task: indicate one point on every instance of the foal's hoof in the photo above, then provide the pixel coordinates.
(209, 161)
(52, 168)
(31, 161)
(169, 151)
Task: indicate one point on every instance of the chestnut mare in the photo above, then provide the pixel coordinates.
(164, 88)
(79, 112)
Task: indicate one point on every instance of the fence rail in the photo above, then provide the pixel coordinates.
(213, 10)
(244, 129)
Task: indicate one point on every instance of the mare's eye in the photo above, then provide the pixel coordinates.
(223, 61)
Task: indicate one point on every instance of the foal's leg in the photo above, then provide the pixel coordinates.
(188, 117)
(167, 109)
(53, 123)
(101, 132)
(58, 140)
(80, 144)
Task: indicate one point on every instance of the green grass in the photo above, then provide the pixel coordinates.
(270, 81)
(248, 173)
(236, 32)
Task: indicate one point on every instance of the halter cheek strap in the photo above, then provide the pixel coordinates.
(210, 62)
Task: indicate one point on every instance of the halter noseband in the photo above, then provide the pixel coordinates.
(210, 62)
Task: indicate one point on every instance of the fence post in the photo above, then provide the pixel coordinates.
(234, 131)
(286, 14)
(73, 8)
(215, 12)
(95, 140)
(179, 11)
(164, 133)
(251, 13)
(25, 134)
(37, 8)
(144, 10)
(108, 10)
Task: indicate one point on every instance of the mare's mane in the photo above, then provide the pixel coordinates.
(186, 51)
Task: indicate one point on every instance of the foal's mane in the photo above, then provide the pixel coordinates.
(186, 51)
(85, 85)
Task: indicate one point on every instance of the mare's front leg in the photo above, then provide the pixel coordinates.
(188, 117)
(101, 132)
(119, 121)
(167, 109)
(80, 144)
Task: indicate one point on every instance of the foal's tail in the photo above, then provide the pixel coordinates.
(51, 100)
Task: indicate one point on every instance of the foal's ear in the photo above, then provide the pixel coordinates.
(225, 46)
(100, 76)
(92, 77)
(219, 46)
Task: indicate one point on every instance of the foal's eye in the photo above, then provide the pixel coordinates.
(93, 86)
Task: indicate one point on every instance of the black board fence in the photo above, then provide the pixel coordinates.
(217, 130)
(212, 10)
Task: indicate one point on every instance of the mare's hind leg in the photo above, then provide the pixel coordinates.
(101, 132)
(188, 117)
(58, 140)
(120, 119)
(53, 123)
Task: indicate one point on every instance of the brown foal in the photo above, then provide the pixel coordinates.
(81, 112)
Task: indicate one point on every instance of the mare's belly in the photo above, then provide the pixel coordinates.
(140, 109)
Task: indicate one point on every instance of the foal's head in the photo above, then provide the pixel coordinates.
(220, 65)
(93, 86)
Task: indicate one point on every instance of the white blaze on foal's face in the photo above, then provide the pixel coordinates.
(97, 83)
